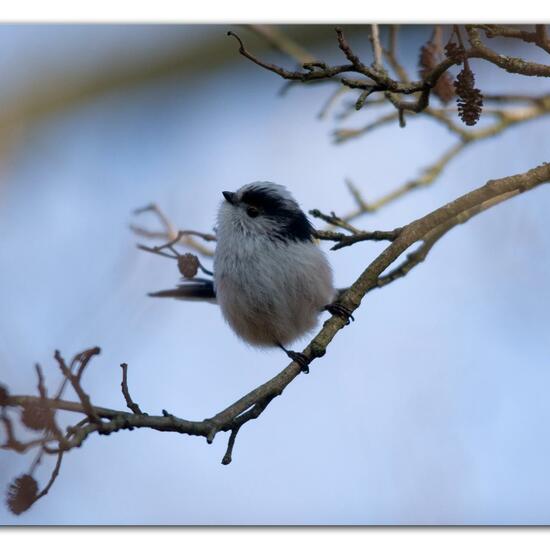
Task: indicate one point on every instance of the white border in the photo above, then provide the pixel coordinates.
(272, 538)
(281, 11)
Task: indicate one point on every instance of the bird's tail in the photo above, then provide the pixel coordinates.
(192, 289)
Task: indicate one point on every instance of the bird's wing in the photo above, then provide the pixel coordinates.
(192, 289)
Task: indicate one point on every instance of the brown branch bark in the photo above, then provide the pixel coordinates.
(538, 106)
(426, 230)
(378, 80)
(171, 234)
(510, 64)
(538, 37)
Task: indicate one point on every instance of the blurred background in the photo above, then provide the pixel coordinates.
(431, 408)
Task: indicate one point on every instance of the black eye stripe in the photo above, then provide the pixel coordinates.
(263, 199)
(293, 224)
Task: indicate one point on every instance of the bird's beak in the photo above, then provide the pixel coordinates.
(229, 196)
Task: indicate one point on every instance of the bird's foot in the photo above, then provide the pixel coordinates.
(336, 308)
(297, 357)
(301, 359)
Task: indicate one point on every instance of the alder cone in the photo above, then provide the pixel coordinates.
(22, 493)
(37, 417)
(444, 88)
(428, 60)
(188, 264)
(469, 100)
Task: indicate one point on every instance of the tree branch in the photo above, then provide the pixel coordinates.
(427, 230)
(378, 80)
(539, 37)
(134, 407)
(171, 234)
(539, 106)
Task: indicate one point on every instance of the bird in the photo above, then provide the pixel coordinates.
(270, 277)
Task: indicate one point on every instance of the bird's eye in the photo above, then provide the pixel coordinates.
(252, 211)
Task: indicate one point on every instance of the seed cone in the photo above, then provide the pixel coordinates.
(22, 493)
(470, 99)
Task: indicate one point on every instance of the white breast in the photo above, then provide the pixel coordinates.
(271, 291)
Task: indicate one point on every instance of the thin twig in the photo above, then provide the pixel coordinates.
(539, 37)
(333, 219)
(53, 476)
(376, 48)
(426, 230)
(378, 79)
(348, 240)
(130, 403)
(75, 382)
(283, 43)
(331, 101)
(343, 134)
(228, 456)
(391, 55)
(171, 234)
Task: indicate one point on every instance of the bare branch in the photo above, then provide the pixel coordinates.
(391, 55)
(130, 403)
(53, 476)
(356, 194)
(228, 456)
(344, 134)
(74, 379)
(426, 230)
(171, 234)
(376, 48)
(333, 219)
(377, 78)
(347, 240)
(539, 37)
(331, 101)
(505, 118)
(283, 43)
(314, 72)
(510, 64)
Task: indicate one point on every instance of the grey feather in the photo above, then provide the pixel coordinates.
(271, 284)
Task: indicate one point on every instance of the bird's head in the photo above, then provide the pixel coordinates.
(264, 209)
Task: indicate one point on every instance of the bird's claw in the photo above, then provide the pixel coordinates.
(336, 308)
(301, 359)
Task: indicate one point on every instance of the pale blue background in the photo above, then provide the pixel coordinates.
(431, 408)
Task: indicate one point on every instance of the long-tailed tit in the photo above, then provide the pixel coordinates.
(271, 279)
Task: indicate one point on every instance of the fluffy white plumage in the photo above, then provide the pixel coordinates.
(271, 279)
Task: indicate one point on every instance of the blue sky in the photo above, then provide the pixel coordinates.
(431, 408)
